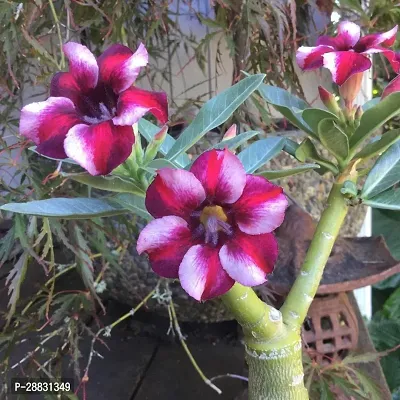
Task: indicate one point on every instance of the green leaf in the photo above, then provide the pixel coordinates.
(214, 113)
(134, 204)
(291, 107)
(386, 223)
(371, 103)
(258, 153)
(112, 183)
(368, 385)
(361, 358)
(237, 141)
(282, 173)
(384, 174)
(392, 305)
(290, 147)
(78, 208)
(375, 117)
(379, 146)
(158, 163)
(313, 116)
(307, 151)
(149, 130)
(388, 200)
(334, 139)
(349, 188)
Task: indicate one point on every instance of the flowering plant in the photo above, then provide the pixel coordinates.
(211, 221)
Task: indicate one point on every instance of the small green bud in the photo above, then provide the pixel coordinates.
(155, 144)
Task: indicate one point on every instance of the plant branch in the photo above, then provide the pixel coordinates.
(302, 293)
(258, 319)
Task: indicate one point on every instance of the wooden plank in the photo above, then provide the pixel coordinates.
(171, 376)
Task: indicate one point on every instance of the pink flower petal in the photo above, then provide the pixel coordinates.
(222, 175)
(174, 192)
(393, 86)
(249, 259)
(166, 240)
(201, 274)
(63, 84)
(392, 57)
(99, 148)
(261, 208)
(47, 124)
(343, 64)
(82, 65)
(347, 37)
(133, 103)
(119, 66)
(309, 58)
(387, 39)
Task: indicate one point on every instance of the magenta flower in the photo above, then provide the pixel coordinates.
(347, 53)
(92, 108)
(212, 225)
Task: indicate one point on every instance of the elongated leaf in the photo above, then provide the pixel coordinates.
(307, 151)
(388, 200)
(258, 153)
(237, 141)
(282, 173)
(78, 208)
(392, 305)
(313, 116)
(379, 146)
(111, 183)
(333, 138)
(158, 163)
(134, 204)
(149, 130)
(214, 113)
(6, 245)
(291, 107)
(375, 117)
(384, 174)
(371, 103)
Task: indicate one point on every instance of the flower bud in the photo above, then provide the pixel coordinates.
(329, 100)
(350, 89)
(230, 133)
(155, 144)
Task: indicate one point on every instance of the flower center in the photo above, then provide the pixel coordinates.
(214, 220)
(104, 114)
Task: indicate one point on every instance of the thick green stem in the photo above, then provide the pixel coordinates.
(305, 287)
(276, 372)
(260, 321)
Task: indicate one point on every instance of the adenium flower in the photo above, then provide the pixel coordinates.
(347, 53)
(213, 225)
(392, 86)
(92, 108)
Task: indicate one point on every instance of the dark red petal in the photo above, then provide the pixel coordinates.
(201, 274)
(387, 39)
(343, 64)
(309, 58)
(99, 148)
(63, 84)
(222, 175)
(133, 103)
(166, 240)
(47, 124)
(261, 208)
(248, 259)
(393, 86)
(174, 192)
(82, 65)
(347, 37)
(119, 66)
